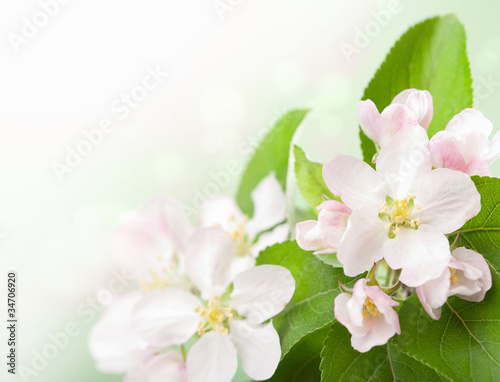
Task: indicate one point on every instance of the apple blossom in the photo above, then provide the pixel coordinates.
(411, 107)
(169, 366)
(113, 343)
(230, 318)
(368, 314)
(326, 233)
(464, 145)
(467, 276)
(402, 211)
(249, 234)
(149, 245)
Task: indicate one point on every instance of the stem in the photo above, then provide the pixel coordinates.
(183, 352)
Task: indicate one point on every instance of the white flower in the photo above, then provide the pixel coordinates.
(402, 211)
(270, 210)
(169, 366)
(229, 321)
(113, 343)
(368, 314)
(149, 245)
(411, 107)
(464, 145)
(324, 235)
(467, 276)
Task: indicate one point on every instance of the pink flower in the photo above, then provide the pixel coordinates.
(409, 108)
(368, 314)
(464, 145)
(402, 211)
(325, 234)
(467, 276)
(230, 322)
(150, 243)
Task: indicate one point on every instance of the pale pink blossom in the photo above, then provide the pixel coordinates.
(250, 235)
(467, 276)
(401, 211)
(368, 314)
(464, 145)
(230, 322)
(324, 235)
(113, 343)
(411, 107)
(169, 366)
(150, 242)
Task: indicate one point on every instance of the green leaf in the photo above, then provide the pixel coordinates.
(482, 233)
(316, 286)
(340, 362)
(464, 344)
(271, 155)
(429, 56)
(301, 364)
(310, 179)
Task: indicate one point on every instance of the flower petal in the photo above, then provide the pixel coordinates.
(405, 156)
(448, 199)
(446, 153)
(475, 265)
(262, 292)
(422, 254)
(269, 206)
(221, 212)
(381, 331)
(208, 260)
(258, 347)
(434, 293)
(357, 184)
(112, 342)
(494, 151)
(419, 102)
(362, 243)
(470, 121)
(166, 317)
(212, 359)
(371, 122)
(168, 366)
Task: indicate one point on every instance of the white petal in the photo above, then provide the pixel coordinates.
(470, 121)
(113, 343)
(433, 294)
(241, 264)
(422, 254)
(277, 235)
(208, 260)
(405, 156)
(166, 317)
(494, 151)
(448, 199)
(475, 268)
(362, 243)
(357, 184)
(269, 206)
(381, 331)
(419, 102)
(262, 292)
(168, 366)
(258, 347)
(212, 359)
(221, 212)
(308, 235)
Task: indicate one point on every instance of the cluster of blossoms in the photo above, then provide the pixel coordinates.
(398, 216)
(202, 302)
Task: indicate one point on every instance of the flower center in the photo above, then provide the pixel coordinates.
(397, 214)
(369, 308)
(162, 275)
(237, 232)
(453, 276)
(215, 316)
